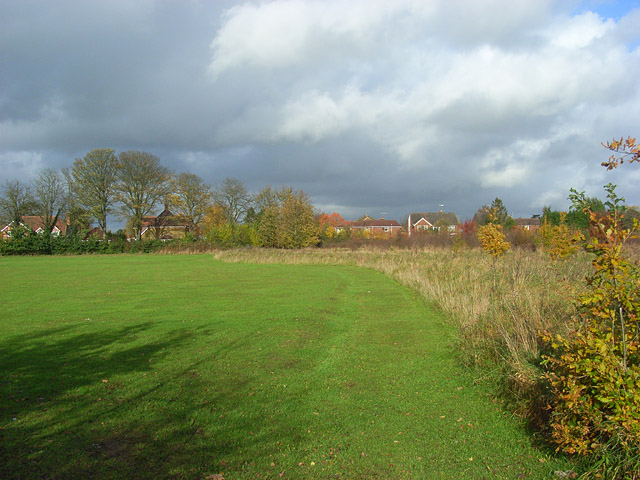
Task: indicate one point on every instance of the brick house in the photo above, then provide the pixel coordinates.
(165, 226)
(431, 221)
(374, 227)
(530, 224)
(35, 223)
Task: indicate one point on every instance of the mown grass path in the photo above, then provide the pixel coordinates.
(186, 367)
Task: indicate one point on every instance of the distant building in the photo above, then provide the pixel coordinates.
(422, 222)
(530, 224)
(165, 226)
(36, 224)
(381, 226)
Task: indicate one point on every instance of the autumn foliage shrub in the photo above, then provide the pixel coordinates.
(493, 240)
(521, 238)
(594, 373)
(557, 240)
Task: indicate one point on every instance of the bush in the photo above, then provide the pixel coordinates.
(594, 373)
(24, 241)
(521, 238)
(492, 239)
(557, 240)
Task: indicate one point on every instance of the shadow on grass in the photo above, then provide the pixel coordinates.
(92, 405)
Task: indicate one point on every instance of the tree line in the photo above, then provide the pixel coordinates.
(134, 184)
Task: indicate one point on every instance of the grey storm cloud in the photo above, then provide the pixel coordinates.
(369, 106)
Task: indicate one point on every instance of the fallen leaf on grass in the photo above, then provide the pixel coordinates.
(565, 474)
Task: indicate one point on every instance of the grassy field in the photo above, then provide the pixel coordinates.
(499, 306)
(188, 367)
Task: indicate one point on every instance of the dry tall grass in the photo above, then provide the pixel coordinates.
(498, 305)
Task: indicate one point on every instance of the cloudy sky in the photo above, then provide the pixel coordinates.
(378, 107)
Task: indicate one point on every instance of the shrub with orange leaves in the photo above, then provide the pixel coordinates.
(623, 150)
(594, 374)
(493, 240)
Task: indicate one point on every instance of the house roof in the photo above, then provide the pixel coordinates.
(527, 221)
(434, 217)
(95, 232)
(369, 223)
(165, 219)
(34, 222)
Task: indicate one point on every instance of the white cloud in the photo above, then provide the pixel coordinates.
(549, 198)
(283, 33)
(484, 85)
(513, 164)
(316, 115)
(509, 176)
(20, 165)
(579, 31)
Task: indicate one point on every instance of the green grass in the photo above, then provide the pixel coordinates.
(185, 367)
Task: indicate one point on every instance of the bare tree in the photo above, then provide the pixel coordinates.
(78, 217)
(233, 197)
(94, 180)
(51, 197)
(142, 183)
(270, 197)
(192, 196)
(16, 201)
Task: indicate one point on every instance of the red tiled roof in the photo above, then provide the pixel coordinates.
(434, 217)
(527, 221)
(165, 219)
(34, 222)
(369, 223)
(95, 232)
